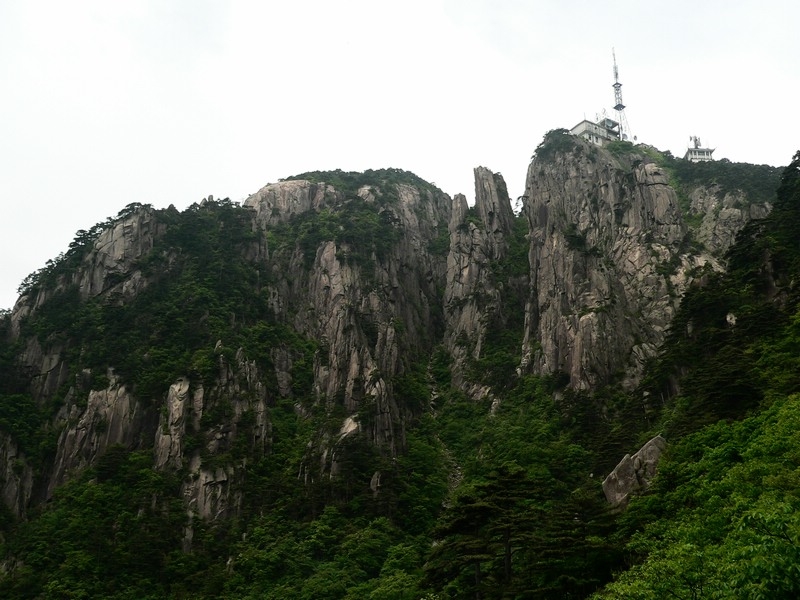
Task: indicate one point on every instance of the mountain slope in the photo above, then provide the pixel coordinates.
(290, 396)
(720, 519)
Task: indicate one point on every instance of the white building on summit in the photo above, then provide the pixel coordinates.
(600, 133)
(605, 130)
(696, 153)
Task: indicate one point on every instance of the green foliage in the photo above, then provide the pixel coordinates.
(349, 182)
(757, 182)
(362, 231)
(525, 520)
(110, 533)
(22, 418)
(501, 348)
(202, 290)
(576, 240)
(514, 263)
(721, 519)
(473, 218)
(440, 245)
(729, 330)
(555, 141)
(621, 148)
(492, 498)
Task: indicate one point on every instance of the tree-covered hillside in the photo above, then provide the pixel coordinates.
(721, 519)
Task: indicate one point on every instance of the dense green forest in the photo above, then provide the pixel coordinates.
(485, 501)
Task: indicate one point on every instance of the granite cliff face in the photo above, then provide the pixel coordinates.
(325, 297)
(722, 215)
(370, 298)
(471, 295)
(610, 257)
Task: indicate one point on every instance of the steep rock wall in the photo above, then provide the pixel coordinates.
(369, 315)
(16, 476)
(609, 262)
(108, 267)
(722, 215)
(471, 295)
(110, 416)
(609, 256)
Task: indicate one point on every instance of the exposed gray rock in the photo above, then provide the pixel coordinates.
(471, 295)
(51, 372)
(608, 265)
(110, 267)
(16, 476)
(365, 317)
(494, 207)
(115, 253)
(212, 490)
(170, 434)
(111, 416)
(633, 473)
(723, 215)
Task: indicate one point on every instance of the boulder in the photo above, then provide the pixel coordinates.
(633, 473)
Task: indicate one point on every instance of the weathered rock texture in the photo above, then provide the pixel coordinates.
(609, 262)
(633, 473)
(16, 476)
(368, 317)
(110, 416)
(722, 216)
(471, 297)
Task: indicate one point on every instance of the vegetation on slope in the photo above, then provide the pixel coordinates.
(757, 182)
(721, 520)
(500, 502)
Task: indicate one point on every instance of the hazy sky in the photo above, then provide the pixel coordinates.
(104, 103)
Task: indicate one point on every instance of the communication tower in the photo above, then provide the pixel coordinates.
(618, 104)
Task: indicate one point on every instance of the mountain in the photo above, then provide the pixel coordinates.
(296, 396)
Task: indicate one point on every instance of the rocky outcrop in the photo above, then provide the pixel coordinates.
(471, 295)
(371, 279)
(109, 267)
(279, 202)
(367, 315)
(170, 437)
(201, 426)
(48, 369)
(110, 416)
(608, 261)
(16, 476)
(494, 209)
(721, 216)
(633, 473)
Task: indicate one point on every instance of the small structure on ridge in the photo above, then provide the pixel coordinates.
(696, 153)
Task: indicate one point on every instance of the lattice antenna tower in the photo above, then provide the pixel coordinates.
(619, 106)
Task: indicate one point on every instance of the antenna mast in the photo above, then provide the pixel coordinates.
(618, 105)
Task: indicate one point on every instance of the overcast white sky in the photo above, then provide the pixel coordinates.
(104, 103)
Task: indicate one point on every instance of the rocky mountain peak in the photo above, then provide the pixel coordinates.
(610, 257)
(325, 296)
(492, 201)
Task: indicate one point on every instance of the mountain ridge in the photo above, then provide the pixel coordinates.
(326, 327)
